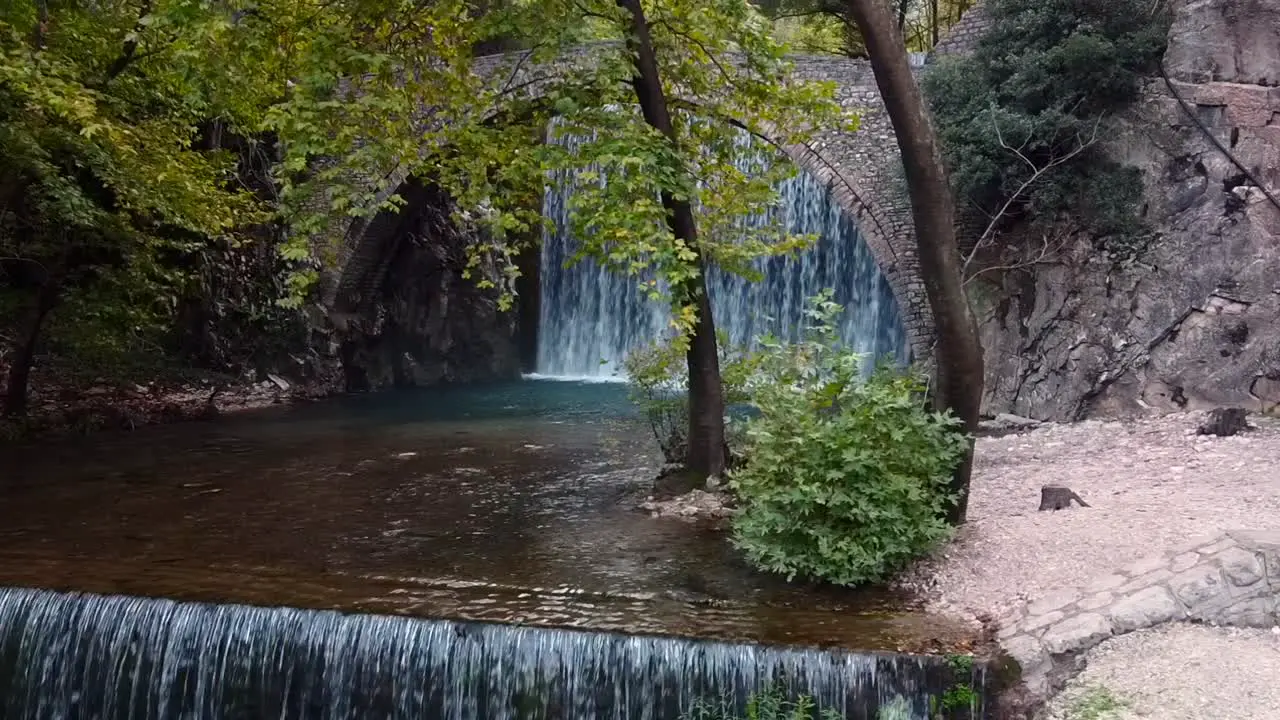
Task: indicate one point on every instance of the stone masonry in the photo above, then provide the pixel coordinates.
(963, 37)
(863, 170)
(1233, 579)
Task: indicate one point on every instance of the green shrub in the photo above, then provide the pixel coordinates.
(846, 479)
(1045, 74)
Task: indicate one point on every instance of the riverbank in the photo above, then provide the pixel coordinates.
(64, 404)
(1152, 485)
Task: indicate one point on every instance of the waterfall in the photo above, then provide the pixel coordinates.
(71, 655)
(589, 318)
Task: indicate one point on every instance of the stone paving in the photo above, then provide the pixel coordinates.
(1233, 580)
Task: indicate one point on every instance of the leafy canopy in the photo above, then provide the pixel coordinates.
(106, 173)
(723, 73)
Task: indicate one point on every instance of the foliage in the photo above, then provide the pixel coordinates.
(846, 479)
(958, 697)
(110, 178)
(658, 383)
(1041, 81)
(771, 704)
(118, 187)
(824, 25)
(1095, 703)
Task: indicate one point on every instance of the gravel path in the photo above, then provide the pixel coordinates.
(1177, 672)
(1152, 485)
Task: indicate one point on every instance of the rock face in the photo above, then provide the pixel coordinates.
(1195, 321)
(427, 324)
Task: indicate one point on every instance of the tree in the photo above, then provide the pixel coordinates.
(827, 26)
(101, 175)
(706, 401)
(117, 183)
(701, 73)
(957, 355)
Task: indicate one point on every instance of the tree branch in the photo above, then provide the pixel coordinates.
(1037, 172)
(42, 24)
(130, 48)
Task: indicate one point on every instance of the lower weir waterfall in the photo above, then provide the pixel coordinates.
(590, 318)
(93, 656)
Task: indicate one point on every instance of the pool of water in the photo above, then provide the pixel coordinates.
(512, 503)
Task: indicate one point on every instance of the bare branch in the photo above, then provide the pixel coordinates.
(1037, 172)
(1048, 249)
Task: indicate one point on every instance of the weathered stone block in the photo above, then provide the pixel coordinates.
(1029, 653)
(1257, 539)
(1185, 561)
(1053, 601)
(1255, 612)
(1241, 567)
(1144, 609)
(1095, 601)
(1035, 622)
(1077, 633)
(1145, 565)
(1217, 546)
(1143, 581)
(1106, 582)
(1199, 588)
(1265, 543)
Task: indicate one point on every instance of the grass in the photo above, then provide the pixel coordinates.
(1095, 703)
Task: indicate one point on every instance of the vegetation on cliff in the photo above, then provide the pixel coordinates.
(1021, 119)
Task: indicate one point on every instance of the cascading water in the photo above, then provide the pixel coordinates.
(591, 318)
(92, 656)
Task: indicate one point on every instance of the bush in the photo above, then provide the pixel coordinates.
(846, 479)
(1045, 74)
(771, 704)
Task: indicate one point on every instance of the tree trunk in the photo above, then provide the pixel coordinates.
(957, 356)
(15, 395)
(706, 398)
(934, 23)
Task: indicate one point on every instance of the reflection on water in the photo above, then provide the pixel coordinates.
(510, 503)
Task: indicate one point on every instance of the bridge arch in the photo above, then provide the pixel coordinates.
(861, 169)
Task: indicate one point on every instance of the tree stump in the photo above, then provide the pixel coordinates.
(1224, 422)
(1057, 497)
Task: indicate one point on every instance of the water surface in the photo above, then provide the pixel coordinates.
(512, 503)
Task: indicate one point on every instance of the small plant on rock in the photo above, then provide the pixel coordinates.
(771, 704)
(847, 478)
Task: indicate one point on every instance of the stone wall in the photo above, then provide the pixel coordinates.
(1194, 322)
(1231, 580)
(962, 38)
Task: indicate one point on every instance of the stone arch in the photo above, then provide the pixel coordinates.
(861, 169)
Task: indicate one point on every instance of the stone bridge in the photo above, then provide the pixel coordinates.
(862, 169)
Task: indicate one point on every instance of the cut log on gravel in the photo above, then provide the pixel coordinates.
(1224, 422)
(1056, 497)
